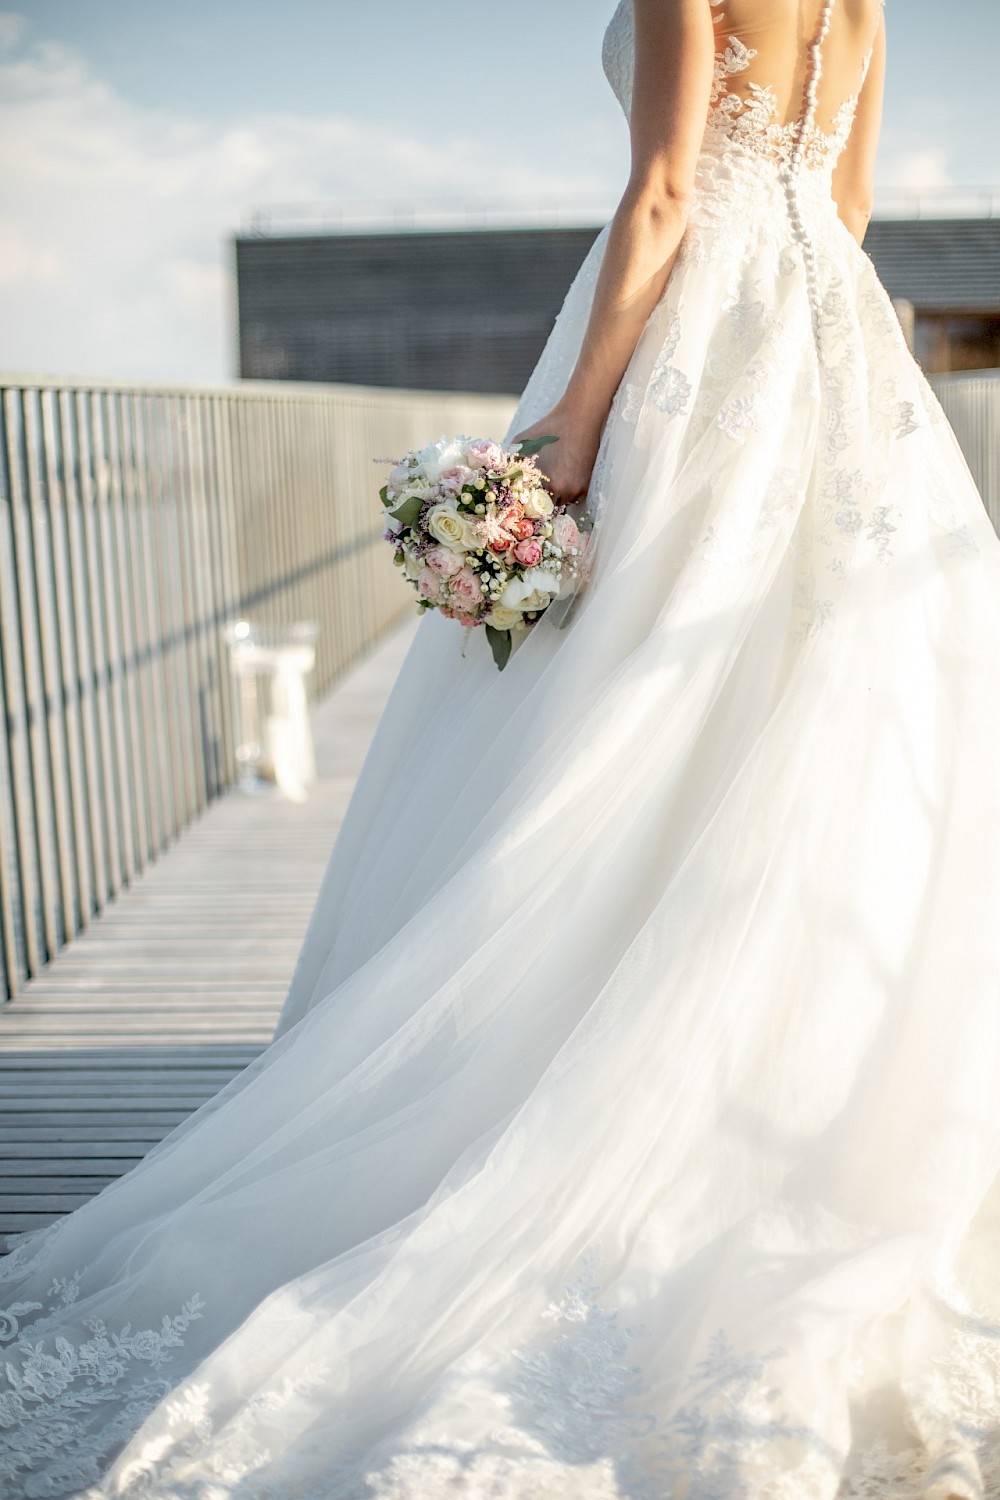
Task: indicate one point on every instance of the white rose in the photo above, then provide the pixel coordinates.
(411, 565)
(502, 618)
(451, 527)
(446, 453)
(537, 504)
(533, 591)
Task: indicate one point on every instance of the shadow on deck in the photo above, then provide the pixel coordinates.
(178, 984)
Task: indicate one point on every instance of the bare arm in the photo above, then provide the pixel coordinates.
(854, 176)
(674, 55)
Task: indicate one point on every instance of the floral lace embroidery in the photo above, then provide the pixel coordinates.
(90, 1392)
(581, 1416)
(751, 122)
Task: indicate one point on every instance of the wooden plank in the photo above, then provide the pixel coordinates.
(17, 1223)
(176, 988)
(34, 1159)
(122, 1136)
(48, 1185)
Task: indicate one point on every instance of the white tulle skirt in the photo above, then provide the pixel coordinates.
(633, 1126)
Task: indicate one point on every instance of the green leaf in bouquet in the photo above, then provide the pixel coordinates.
(500, 644)
(383, 494)
(533, 445)
(408, 510)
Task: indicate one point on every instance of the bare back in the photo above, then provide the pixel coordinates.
(776, 36)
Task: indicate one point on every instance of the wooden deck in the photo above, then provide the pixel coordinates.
(178, 984)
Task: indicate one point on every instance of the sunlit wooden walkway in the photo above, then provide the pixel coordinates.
(178, 985)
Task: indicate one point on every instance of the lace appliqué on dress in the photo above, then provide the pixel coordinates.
(93, 1391)
(580, 1414)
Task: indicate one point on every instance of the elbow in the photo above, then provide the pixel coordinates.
(856, 215)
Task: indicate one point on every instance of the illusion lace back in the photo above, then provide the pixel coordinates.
(632, 1128)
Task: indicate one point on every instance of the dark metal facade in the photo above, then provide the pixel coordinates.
(471, 309)
(468, 310)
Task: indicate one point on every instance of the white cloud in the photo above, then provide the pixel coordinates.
(924, 170)
(12, 27)
(115, 221)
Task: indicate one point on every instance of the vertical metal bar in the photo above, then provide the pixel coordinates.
(162, 805)
(188, 593)
(77, 902)
(40, 893)
(245, 460)
(21, 955)
(224, 571)
(110, 566)
(42, 478)
(89, 462)
(265, 514)
(205, 496)
(60, 486)
(123, 601)
(10, 965)
(171, 608)
(80, 586)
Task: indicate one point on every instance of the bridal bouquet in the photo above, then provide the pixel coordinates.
(479, 536)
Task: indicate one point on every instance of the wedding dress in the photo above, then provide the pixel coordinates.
(633, 1124)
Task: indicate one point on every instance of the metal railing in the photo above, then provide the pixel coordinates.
(136, 522)
(971, 403)
(460, 211)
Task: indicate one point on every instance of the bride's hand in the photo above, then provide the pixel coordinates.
(566, 465)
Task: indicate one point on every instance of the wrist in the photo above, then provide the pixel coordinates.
(578, 417)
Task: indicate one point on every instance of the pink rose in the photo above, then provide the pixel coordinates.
(565, 532)
(442, 561)
(429, 585)
(523, 528)
(482, 453)
(466, 588)
(464, 619)
(528, 552)
(450, 481)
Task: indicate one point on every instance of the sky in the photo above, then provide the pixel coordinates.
(137, 136)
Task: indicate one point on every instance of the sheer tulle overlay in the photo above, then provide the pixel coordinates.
(633, 1124)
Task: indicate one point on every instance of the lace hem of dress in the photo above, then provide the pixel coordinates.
(574, 1420)
(729, 1439)
(65, 1406)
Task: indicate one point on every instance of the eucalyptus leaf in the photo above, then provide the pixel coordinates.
(534, 445)
(383, 494)
(500, 644)
(408, 510)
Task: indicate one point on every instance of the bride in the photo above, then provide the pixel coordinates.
(632, 1127)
